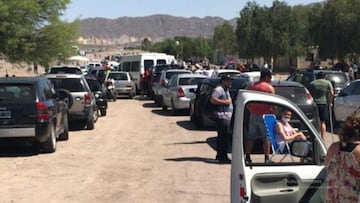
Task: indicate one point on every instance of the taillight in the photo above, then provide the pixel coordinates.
(309, 98)
(42, 111)
(87, 98)
(163, 82)
(180, 92)
(242, 192)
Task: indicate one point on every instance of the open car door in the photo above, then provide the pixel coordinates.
(295, 176)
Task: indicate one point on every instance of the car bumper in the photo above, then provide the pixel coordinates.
(123, 91)
(39, 132)
(182, 103)
(83, 115)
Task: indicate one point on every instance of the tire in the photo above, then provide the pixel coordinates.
(65, 134)
(90, 124)
(95, 114)
(174, 111)
(49, 146)
(66, 96)
(103, 112)
(164, 107)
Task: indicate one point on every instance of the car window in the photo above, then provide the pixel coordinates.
(135, 66)
(65, 70)
(169, 74)
(148, 64)
(251, 132)
(190, 81)
(161, 61)
(10, 92)
(295, 94)
(94, 85)
(118, 76)
(70, 84)
(337, 77)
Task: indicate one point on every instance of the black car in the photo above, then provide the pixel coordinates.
(30, 108)
(337, 78)
(200, 107)
(296, 92)
(100, 94)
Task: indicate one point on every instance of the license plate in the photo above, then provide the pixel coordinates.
(5, 114)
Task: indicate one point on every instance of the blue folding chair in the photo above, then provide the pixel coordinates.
(270, 125)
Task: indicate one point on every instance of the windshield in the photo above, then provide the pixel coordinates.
(189, 81)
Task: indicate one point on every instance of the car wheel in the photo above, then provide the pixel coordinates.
(49, 146)
(65, 134)
(96, 114)
(90, 124)
(164, 107)
(173, 109)
(103, 112)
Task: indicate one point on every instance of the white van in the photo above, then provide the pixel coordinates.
(138, 64)
(296, 176)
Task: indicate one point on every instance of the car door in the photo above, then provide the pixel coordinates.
(287, 178)
(347, 101)
(167, 91)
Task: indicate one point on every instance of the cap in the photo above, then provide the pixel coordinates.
(225, 77)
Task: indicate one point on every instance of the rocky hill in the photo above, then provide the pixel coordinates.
(132, 30)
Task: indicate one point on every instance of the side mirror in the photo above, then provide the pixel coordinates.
(300, 148)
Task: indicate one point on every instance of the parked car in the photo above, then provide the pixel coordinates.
(251, 76)
(220, 72)
(123, 82)
(84, 108)
(298, 176)
(99, 73)
(347, 101)
(338, 79)
(154, 76)
(297, 93)
(179, 91)
(165, 76)
(30, 108)
(200, 110)
(99, 93)
(65, 69)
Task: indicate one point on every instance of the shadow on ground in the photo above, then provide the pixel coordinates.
(10, 148)
(150, 105)
(196, 159)
(188, 125)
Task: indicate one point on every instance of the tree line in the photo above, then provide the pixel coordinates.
(331, 27)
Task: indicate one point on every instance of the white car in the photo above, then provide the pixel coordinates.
(294, 177)
(347, 101)
(179, 91)
(253, 76)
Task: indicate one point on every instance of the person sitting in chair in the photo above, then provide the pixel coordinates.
(285, 132)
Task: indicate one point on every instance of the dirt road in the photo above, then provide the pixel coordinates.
(137, 153)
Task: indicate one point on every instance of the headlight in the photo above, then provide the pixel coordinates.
(97, 95)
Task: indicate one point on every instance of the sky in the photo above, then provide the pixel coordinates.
(112, 9)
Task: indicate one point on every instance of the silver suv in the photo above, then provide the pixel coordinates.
(83, 107)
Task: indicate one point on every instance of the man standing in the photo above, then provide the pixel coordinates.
(223, 113)
(323, 92)
(257, 110)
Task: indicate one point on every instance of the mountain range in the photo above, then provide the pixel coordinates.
(125, 31)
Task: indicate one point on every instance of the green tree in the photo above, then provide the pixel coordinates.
(145, 44)
(26, 26)
(224, 38)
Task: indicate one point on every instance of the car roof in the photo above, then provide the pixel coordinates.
(227, 70)
(187, 75)
(117, 72)
(64, 76)
(285, 83)
(176, 70)
(20, 79)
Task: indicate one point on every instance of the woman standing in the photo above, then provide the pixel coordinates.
(343, 163)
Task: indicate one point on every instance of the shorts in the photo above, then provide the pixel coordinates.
(323, 112)
(257, 128)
